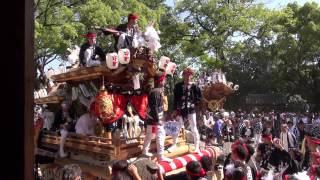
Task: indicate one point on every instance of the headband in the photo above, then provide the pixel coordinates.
(200, 174)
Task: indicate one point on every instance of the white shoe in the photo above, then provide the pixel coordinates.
(165, 159)
(198, 151)
(148, 154)
(172, 148)
(63, 155)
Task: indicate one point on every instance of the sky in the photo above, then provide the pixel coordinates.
(272, 4)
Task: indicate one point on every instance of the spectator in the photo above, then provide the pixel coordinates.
(247, 131)
(122, 170)
(195, 171)
(228, 134)
(217, 129)
(236, 171)
(71, 172)
(287, 139)
(290, 126)
(299, 132)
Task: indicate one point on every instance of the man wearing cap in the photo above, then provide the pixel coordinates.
(287, 139)
(186, 96)
(155, 118)
(126, 32)
(90, 53)
(247, 132)
(270, 153)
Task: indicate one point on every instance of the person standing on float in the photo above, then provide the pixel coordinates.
(186, 96)
(155, 118)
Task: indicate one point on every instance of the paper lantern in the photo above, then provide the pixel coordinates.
(163, 62)
(223, 77)
(104, 106)
(112, 60)
(171, 67)
(124, 56)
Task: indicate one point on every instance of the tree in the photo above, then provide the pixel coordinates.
(59, 23)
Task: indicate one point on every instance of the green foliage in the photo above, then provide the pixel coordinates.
(262, 50)
(59, 24)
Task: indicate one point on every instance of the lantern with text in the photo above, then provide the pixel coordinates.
(112, 60)
(124, 56)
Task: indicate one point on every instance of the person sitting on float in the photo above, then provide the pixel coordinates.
(87, 122)
(90, 53)
(125, 33)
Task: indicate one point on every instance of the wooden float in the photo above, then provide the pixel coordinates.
(214, 95)
(49, 99)
(102, 148)
(119, 77)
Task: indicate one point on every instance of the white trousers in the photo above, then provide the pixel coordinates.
(160, 138)
(192, 118)
(64, 134)
(257, 138)
(121, 40)
(227, 147)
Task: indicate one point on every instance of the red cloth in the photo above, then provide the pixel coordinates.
(120, 105)
(133, 16)
(312, 140)
(90, 35)
(140, 104)
(38, 124)
(180, 162)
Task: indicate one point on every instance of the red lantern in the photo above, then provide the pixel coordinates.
(104, 107)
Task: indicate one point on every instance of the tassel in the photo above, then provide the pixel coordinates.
(136, 81)
(94, 87)
(84, 90)
(74, 93)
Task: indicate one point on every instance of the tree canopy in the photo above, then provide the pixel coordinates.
(263, 50)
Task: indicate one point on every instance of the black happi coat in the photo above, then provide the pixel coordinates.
(155, 107)
(274, 156)
(244, 130)
(185, 99)
(97, 51)
(123, 28)
(228, 133)
(61, 118)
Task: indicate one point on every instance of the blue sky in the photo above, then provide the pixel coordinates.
(272, 4)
